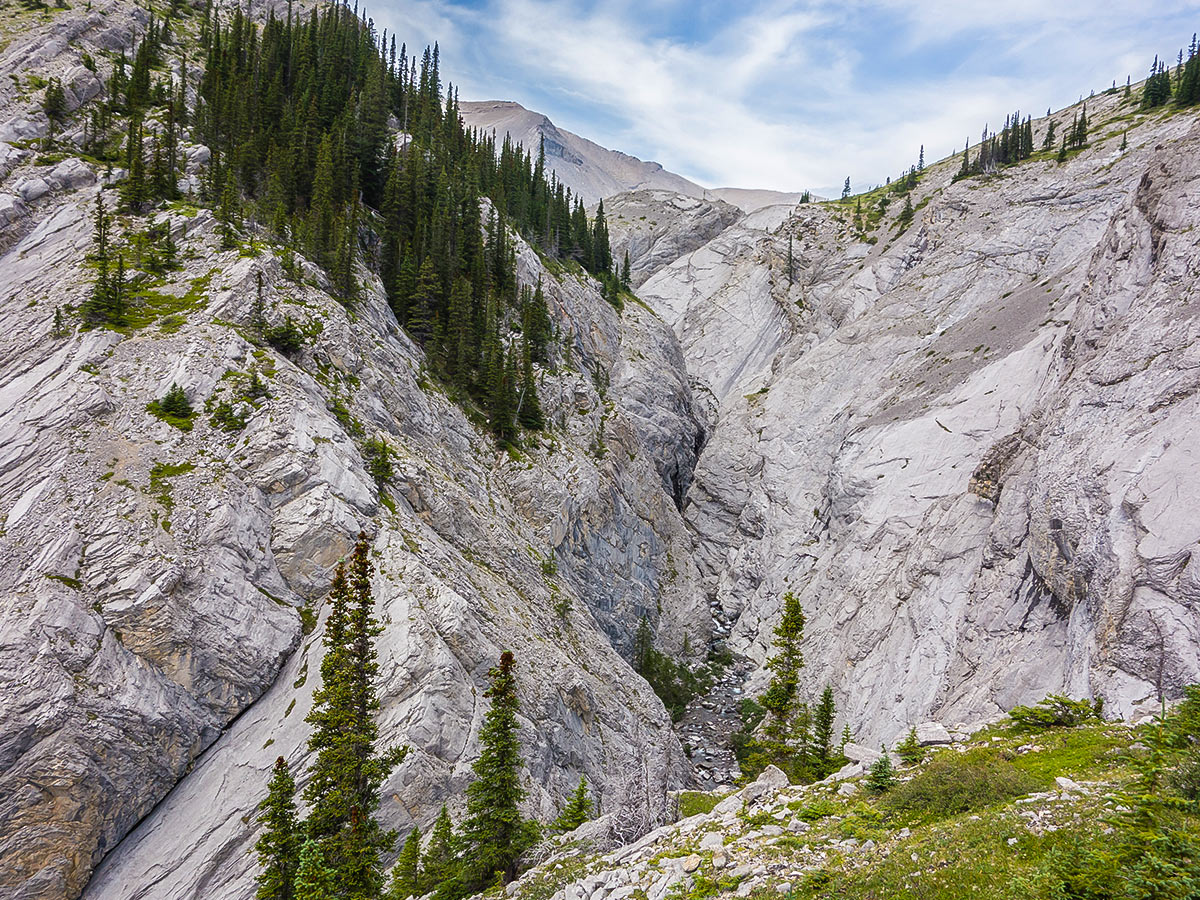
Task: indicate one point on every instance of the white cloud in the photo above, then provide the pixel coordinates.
(789, 95)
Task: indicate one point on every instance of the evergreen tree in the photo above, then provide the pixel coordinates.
(105, 304)
(529, 409)
(578, 809)
(278, 847)
(780, 699)
(881, 776)
(175, 403)
(495, 834)
(406, 876)
(314, 880)
(343, 790)
(906, 214)
(439, 862)
(1048, 143)
(846, 188)
(54, 103)
(823, 729)
(910, 749)
(422, 316)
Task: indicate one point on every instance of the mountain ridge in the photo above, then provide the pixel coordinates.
(595, 172)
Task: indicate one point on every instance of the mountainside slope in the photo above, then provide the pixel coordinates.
(597, 173)
(969, 445)
(589, 170)
(161, 617)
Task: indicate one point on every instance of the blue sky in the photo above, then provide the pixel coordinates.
(788, 95)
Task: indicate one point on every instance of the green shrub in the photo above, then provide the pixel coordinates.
(956, 783)
(910, 749)
(693, 803)
(1056, 711)
(173, 408)
(378, 456)
(881, 776)
(286, 338)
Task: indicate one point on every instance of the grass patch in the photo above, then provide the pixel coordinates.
(160, 482)
(954, 783)
(693, 803)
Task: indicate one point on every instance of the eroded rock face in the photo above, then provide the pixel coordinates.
(155, 574)
(655, 228)
(969, 446)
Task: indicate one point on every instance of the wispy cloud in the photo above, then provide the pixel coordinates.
(789, 95)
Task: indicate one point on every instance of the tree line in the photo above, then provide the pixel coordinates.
(346, 150)
(1182, 87)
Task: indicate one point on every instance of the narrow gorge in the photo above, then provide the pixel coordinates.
(966, 443)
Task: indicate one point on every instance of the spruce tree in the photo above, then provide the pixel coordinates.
(278, 847)
(343, 791)
(578, 809)
(422, 314)
(406, 876)
(439, 861)
(823, 730)
(910, 749)
(529, 409)
(781, 696)
(314, 880)
(881, 776)
(495, 834)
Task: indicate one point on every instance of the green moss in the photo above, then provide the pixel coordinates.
(693, 803)
(160, 483)
(73, 583)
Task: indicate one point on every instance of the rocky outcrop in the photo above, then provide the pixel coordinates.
(655, 228)
(965, 444)
(162, 586)
(161, 572)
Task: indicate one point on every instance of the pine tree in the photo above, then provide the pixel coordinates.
(823, 730)
(578, 809)
(781, 697)
(439, 861)
(406, 876)
(495, 833)
(314, 880)
(846, 188)
(906, 214)
(343, 790)
(278, 847)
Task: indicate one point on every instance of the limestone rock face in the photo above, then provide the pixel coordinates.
(155, 575)
(157, 581)
(968, 446)
(658, 227)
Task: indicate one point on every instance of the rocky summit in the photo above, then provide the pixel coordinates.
(957, 423)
